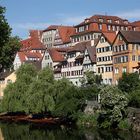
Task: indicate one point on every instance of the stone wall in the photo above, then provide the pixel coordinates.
(134, 118)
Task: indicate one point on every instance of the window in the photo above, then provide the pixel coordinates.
(101, 20)
(120, 38)
(116, 70)
(133, 58)
(113, 28)
(124, 69)
(109, 21)
(9, 81)
(139, 58)
(109, 27)
(100, 26)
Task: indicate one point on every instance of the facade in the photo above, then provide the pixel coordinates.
(91, 28)
(32, 49)
(104, 57)
(5, 79)
(62, 36)
(126, 53)
(89, 62)
(48, 36)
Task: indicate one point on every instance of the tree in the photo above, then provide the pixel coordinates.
(9, 51)
(113, 103)
(69, 100)
(8, 45)
(129, 82)
(91, 79)
(5, 32)
(15, 93)
(40, 94)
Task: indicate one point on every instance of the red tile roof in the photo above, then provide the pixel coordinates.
(22, 56)
(33, 42)
(110, 36)
(95, 19)
(55, 55)
(65, 32)
(51, 27)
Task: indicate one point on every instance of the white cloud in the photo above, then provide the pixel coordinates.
(30, 25)
(133, 14)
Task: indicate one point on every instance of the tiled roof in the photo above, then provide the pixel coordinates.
(33, 55)
(33, 42)
(110, 36)
(131, 36)
(80, 46)
(51, 27)
(79, 57)
(37, 64)
(92, 53)
(22, 56)
(105, 18)
(136, 23)
(65, 32)
(55, 55)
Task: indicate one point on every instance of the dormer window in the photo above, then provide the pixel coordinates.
(109, 21)
(120, 38)
(86, 20)
(81, 29)
(102, 40)
(125, 21)
(101, 20)
(117, 21)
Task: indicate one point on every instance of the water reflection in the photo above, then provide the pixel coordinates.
(16, 131)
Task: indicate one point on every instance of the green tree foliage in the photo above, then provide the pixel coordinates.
(129, 82)
(5, 30)
(8, 45)
(134, 99)
(113, 103)
(40, 94)
(69, 100)
(91, 79)
(15, 94)
(9, 51)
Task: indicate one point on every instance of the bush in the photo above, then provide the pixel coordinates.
(124, 124)
(134, 99)
(113, 103)
(87, 120)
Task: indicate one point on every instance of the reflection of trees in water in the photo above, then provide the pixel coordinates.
(15, 131)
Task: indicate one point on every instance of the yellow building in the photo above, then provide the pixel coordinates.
(5, 78)
(126, 53)
(104, 56)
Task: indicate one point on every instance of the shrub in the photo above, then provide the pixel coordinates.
(124, 124)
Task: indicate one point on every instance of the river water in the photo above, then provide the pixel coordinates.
(18, 131)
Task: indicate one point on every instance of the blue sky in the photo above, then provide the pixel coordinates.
(23, 15)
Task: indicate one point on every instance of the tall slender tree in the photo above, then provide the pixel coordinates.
(8, 45)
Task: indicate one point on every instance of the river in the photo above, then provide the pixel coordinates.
(18, 131)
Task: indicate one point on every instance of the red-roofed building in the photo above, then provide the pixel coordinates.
(33, 43)
(48, 36)
(62, 36)
(92, 27)
(22, 57)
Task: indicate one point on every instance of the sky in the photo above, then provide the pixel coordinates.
(23, 15)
